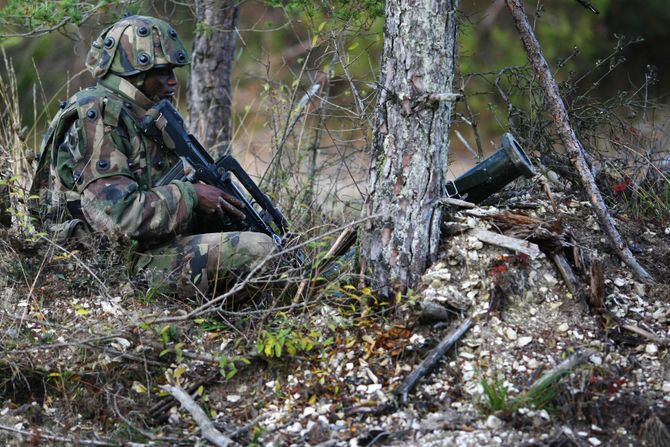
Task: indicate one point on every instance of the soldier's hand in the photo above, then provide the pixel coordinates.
(212, 200)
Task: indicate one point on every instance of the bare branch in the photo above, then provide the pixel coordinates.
(207, 428)
(569, 138)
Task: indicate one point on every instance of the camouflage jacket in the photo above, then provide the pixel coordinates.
(96, 166)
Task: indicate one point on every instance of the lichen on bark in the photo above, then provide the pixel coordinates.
(411, 142)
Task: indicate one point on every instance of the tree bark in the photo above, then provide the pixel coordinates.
(411, 142)
(209, 92)
(567, 134)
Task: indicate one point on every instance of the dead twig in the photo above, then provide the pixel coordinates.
(567, 134)
(160, 409)
(81, 263)
(240, 285)
(456, 202)
(566, 272)
(500, 240)
(209, 432)
(644, 333)
(38, 435)
(597, 293)
(432, 358)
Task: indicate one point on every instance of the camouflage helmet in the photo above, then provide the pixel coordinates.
(134, 45)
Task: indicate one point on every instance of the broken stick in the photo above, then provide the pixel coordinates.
(597, 295)
(574, 148)
(554, 375)
(209, 432)
(500, 240)
(644, 333)
(432, 358)
(566, 272)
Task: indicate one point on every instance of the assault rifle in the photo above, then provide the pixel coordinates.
(163, 123)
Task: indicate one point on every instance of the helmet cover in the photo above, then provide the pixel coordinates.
(136, 44)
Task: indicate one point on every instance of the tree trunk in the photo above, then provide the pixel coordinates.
(209, 95)
(568, 137)
(411, 142)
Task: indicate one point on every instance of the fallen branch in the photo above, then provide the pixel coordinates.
(159, 411)
(209, 432)
(543, 390)
(566, 272)
(500, 240)
(456, 202)
(37, 435)
(567, 134)
(597, 293)
(644, 333)
(432, 358)
(560, 370)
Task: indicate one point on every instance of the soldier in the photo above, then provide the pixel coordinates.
(98, 173)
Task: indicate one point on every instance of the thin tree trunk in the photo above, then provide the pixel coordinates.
(209, 93)
(569, 138)
(411, 142)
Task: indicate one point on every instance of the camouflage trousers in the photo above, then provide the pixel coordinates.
(202, 263)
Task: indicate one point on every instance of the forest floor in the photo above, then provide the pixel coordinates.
(84, 352)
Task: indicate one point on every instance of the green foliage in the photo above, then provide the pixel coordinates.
(228, 367)
(496, 395)
(538, 396)
(650, 200)
(542, 392)
(150, 295)
(257, 434)
(285, 341)
(41, 15)
(286, 338)
(169, 333)
(363, 11)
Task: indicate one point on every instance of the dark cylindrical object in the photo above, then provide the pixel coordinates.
(492, 174)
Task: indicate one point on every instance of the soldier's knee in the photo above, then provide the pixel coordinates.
(255, 245)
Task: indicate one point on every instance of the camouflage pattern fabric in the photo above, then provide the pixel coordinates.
(104, 167)
(136, 44)
(211, 261)
(95, 166)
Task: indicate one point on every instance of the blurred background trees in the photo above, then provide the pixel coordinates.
(305, 75)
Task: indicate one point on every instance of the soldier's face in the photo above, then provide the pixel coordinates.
(160, 83)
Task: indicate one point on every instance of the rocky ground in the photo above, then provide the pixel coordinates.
(86, 353)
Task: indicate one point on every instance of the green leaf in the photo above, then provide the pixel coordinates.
(179, 372)
(139, 388)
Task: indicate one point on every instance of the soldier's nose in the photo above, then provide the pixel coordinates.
(172, 80)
